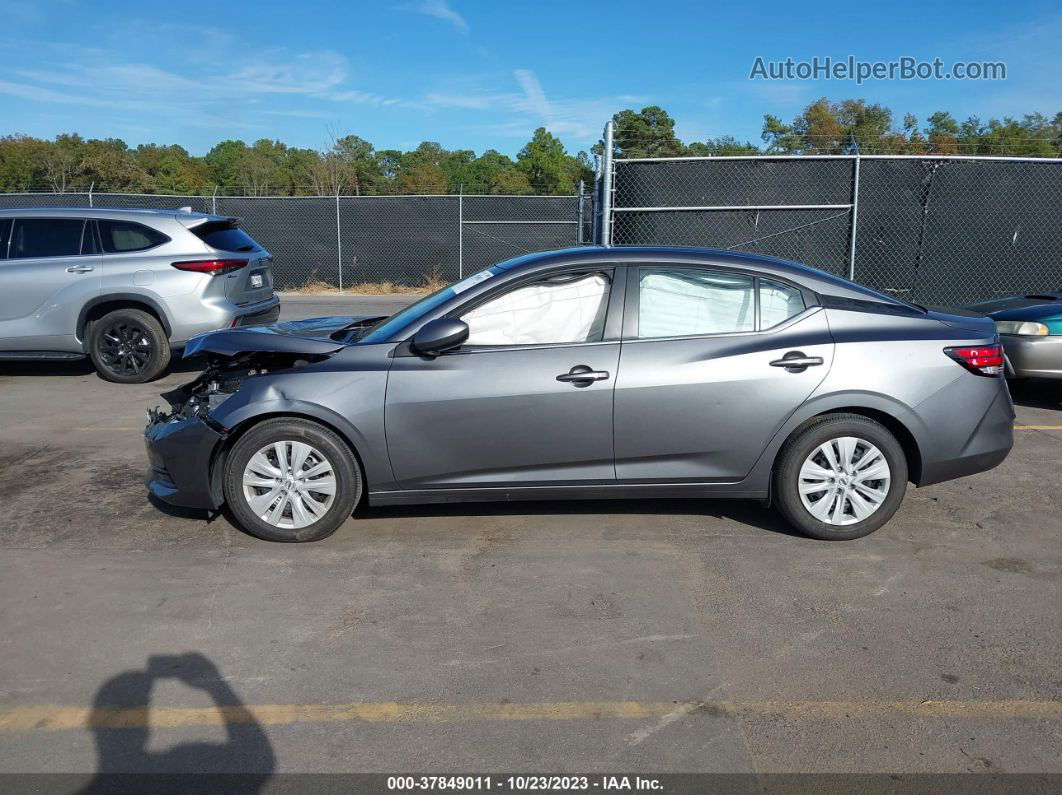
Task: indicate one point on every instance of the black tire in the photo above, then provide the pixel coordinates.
(128, 346)
(804, 443)
(327, 445)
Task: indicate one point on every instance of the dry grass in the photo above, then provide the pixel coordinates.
(429, 284)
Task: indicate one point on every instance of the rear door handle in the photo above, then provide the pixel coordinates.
(79, 269)
(581, 375)
(797, 362)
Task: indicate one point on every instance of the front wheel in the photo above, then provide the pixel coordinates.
(290, 479)
(841, 477)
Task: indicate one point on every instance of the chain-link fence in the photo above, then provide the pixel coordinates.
(347, 241)
(940, 230)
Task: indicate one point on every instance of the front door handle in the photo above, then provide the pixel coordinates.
(797, 362)
(79, 269)
(581, 375)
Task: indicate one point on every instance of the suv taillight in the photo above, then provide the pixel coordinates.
(211, 267)
(985, 360)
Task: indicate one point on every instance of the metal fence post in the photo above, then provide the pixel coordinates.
(93, 185)
(855, 218)
(214, 202)
(339, 244)
(606, 188)
(461, 231)
(579, 216)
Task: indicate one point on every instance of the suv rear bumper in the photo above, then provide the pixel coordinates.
(260, 317)
(214, 314)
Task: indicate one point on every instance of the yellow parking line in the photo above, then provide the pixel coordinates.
(1038, 427)
(60, 718)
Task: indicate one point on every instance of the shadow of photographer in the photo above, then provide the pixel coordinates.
(121, 723)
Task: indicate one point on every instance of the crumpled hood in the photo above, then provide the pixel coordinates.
(312, 336)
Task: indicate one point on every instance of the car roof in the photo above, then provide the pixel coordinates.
(813, 279)
(129, 213)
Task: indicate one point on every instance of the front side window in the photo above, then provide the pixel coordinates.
(123, 236)
(682, 302)
(567, 309)
(46, 237)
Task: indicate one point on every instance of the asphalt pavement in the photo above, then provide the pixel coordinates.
(643, 636)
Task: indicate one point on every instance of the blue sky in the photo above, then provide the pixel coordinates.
(482, 75)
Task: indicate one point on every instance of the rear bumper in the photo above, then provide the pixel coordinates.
(981, 449)
(180, 457)
(1033, 357)
(218, 313)
(260, 317)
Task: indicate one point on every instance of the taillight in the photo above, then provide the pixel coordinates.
(985, 360)
(211, 267)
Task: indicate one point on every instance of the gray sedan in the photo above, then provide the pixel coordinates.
(592, 372)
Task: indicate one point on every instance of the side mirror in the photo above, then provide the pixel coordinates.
(440, 335)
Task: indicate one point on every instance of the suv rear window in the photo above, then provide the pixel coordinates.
(122, 236)
(5, 236)
(225, 236)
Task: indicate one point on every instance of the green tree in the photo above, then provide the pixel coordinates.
(942, 133)
(223, 163)
(721, 147)
(649, 132)
(21, 162)
(545, 164)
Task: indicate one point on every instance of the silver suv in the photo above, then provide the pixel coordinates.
(125, 287)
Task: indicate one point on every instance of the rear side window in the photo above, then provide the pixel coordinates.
(682, 302)
(46, 237)
(778, 303)
(120, 237)
(225, 236)
(5, 236)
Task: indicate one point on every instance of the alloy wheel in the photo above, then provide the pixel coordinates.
(125, 348)
(289, 484)
(844, 481)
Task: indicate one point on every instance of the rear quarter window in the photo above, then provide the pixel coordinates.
(120, 237)
(5, 236)
(225, 236)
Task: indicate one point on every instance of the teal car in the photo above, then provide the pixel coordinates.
(1030, 329)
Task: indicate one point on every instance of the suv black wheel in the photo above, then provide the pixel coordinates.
(840, 477)
(128, 346)
(290, 479)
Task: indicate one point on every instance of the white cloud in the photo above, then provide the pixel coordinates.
(104, 79)
(518, 112)
(536, 97)
(440, 9)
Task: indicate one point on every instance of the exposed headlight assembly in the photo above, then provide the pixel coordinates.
(1023, 328)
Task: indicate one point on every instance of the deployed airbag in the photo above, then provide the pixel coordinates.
(543, 313)
(684, 302)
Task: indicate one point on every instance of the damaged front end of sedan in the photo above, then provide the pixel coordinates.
(183, 442)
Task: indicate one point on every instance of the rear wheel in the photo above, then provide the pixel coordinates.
(841, 477)
(290, 479)
(129, 346)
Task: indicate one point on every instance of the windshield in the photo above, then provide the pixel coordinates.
(389, 326)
